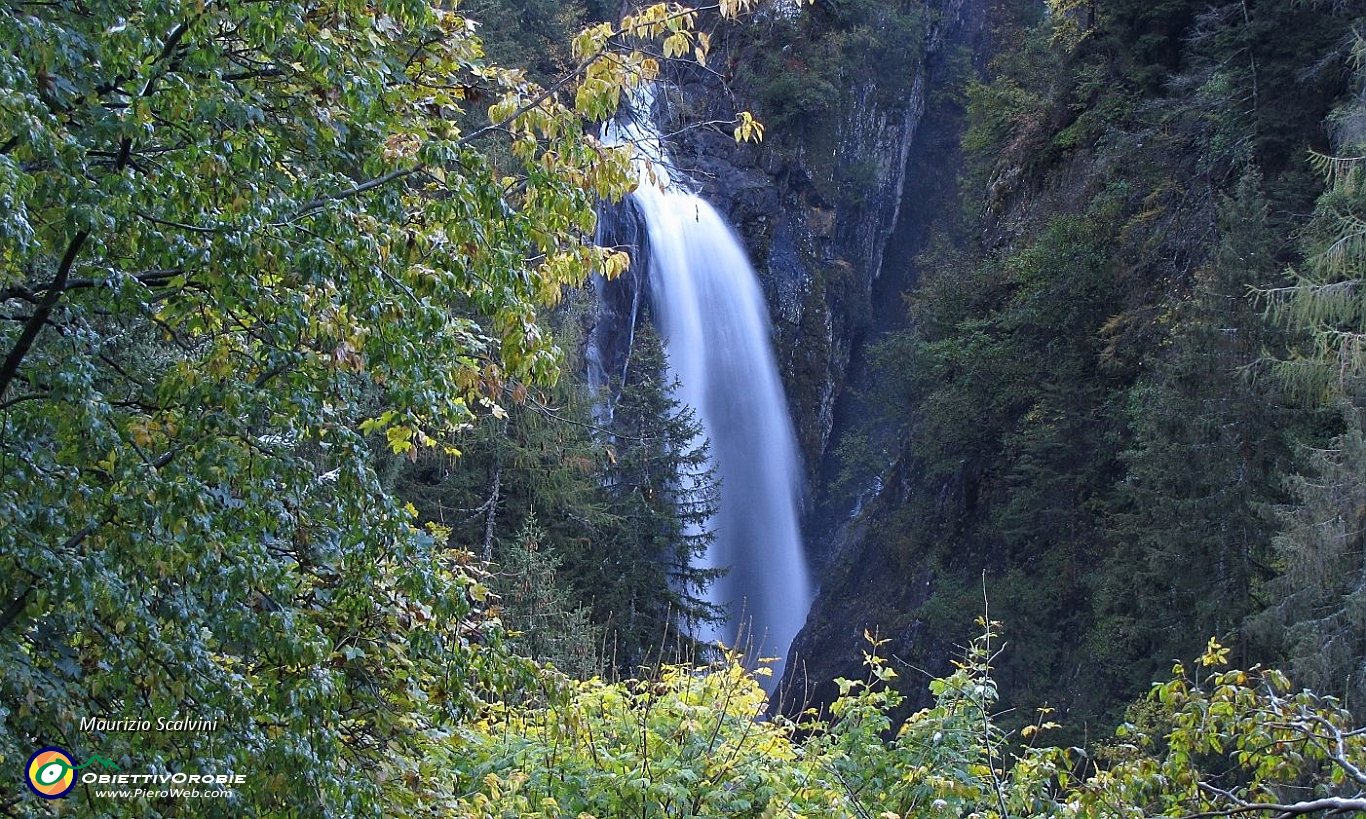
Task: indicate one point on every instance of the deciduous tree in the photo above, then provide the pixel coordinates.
(239, 241)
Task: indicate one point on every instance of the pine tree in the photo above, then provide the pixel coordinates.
(1319, 604)
(1194, 524)
(1318, 614)
(539, 458)
(546, 625)
(620, 514)
(1328, 297)
(662, 485)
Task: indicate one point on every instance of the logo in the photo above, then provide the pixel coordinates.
(52, 771)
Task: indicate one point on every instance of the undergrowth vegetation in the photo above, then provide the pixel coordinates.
(693, 741)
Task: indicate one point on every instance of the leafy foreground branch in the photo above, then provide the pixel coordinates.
(692, 743)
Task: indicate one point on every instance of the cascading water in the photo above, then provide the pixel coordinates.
(706, 301)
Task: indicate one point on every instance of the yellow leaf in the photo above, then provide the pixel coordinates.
(1215, 654)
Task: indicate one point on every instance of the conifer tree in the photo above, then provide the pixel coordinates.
(538, 458)
(545, 624)
(1318, 607)
(662, 484)
(1193, 526)
(618, 515)
(1328, 297)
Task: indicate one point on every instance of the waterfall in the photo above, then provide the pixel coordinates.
(706, 302)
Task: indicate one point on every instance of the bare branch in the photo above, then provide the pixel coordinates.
(1333, 804)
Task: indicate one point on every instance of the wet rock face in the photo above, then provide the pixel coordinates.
(620, 302)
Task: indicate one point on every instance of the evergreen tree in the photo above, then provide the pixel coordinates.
(1317, 615)
(1327, 300)
(662, 486)
(545, 624)
(1318, 607)
(1193, 512)
(537, 457)
(534, 34)
(620, 513)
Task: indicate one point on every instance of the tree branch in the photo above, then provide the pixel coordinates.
(1339, 757)
(1334, 804)
(31, 294)
(309, 207)
(59, 282)
(492, 514)
(45, 307)
(19, 399)
(14, 609)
